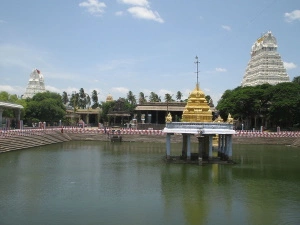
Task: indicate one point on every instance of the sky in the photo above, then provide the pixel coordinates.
(117, 46)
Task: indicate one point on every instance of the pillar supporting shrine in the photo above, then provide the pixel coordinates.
(205, 133)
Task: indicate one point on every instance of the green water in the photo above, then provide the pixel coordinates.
(129, 183)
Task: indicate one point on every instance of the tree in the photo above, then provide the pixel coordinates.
(6, 97)
(263, 105)
(45, 107)
(95, 99)
(88, 101)
(208, 98)
(154, 97)
(284, 104)
(168, 97)
(296, 80)
(65, 98)
(178, 96)
(74, 100)
(82, 101)
(131, 98)
(142, 98)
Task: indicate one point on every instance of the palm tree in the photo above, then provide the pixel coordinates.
(88, 101)
(142, 98)
(131, 98)
(82, 99)
(154, 97)
(179, 96)
(65, 98)
(95, 99)
(168, 98)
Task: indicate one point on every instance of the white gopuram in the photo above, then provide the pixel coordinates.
(265, 65)
(35, 84)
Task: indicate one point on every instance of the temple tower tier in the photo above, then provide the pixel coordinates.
(265, 65)
(35, 84)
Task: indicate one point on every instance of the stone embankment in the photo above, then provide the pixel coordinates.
(20, 139)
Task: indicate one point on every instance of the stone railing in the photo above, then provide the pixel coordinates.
(187, 125)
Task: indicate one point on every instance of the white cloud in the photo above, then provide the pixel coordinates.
(225, 27)
(144, 13)
(221, 70)
(290, 65)
(162, 92)
(115, 64)
(53, 89)
(119, 13)
(121, 90)
(143, 3)
(94, 7)
(58, 74)
(21, 57)
(294, 15)
(13, 89)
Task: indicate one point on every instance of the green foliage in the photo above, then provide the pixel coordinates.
(154, 97)
(46, 107)
(142, 98)
(106, 108)
(178, 95)
(65, 98)
(257, 106)
(131, 98)
(296, 80)
(168, 98)
(95, 99)
(82, 101)
(6, 97)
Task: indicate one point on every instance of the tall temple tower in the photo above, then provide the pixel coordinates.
(35, 84)
(265, 65)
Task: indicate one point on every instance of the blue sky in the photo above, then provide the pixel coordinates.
(116, 46)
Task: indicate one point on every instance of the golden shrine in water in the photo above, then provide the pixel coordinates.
(197, 121)
(197, 108)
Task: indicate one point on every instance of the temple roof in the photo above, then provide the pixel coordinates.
(197, 108)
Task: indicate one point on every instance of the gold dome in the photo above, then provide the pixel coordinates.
(109, 98)
(197, 108)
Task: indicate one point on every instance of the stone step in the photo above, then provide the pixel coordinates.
(22, 142)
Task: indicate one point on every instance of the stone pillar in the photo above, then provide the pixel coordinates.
(168, 146)
(219, 145)
(200, 149)
(87, 118)
(18, 116)
(184, 146)
(229, 147)
(188, 140)
(210, 152)
(226, 148)
(223, 147)
(1, 111)
(205, 147)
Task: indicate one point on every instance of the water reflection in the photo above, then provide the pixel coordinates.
(129, 183)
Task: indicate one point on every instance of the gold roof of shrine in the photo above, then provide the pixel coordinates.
(197, 108)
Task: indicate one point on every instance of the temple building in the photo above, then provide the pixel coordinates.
(197, 122)
(265, 65)
(35, 84)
